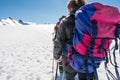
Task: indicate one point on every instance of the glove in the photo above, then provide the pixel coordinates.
(60, 59)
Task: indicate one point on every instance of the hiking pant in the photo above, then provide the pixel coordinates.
(71, 73)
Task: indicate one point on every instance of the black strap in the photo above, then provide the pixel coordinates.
(117, 33)
(89, 52)
(116, 67)
(94, 29)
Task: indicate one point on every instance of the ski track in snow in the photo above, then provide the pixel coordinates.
(26, 53)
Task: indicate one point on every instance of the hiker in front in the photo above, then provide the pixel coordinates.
(60, 47)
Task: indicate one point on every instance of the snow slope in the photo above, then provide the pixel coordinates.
(26, 53)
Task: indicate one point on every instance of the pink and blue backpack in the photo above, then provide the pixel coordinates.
(96, 26)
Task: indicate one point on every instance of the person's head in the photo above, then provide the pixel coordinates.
(80, 2)
(71, 5)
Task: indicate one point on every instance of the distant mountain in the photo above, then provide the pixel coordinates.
(2, 22)
(11, 21)
(23, 23)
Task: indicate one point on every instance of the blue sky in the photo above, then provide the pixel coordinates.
(40, 11)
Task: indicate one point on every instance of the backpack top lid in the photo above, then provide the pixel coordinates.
(107, 17)
(106, 14)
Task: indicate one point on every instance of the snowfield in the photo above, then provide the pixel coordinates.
(26, 53)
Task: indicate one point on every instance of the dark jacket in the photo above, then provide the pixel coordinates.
(64, 35)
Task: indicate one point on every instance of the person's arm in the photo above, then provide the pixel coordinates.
(59, 42)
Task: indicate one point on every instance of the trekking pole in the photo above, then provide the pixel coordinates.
(53, 65)
(63, 75)
(56, 71)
